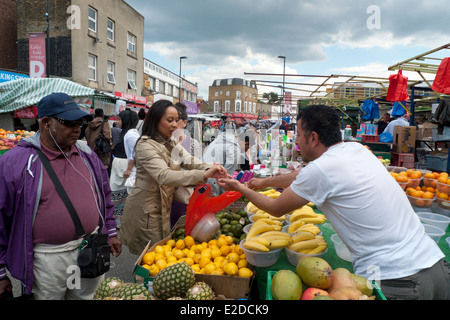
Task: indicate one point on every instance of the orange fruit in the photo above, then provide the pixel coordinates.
(420, 202)
(442, 179)
(436, 175)
(409, 172)
(430, 189)
(428, 175)
(401, 178)
(443, 196)
(415, 175)
(428, 195)
(433, 183)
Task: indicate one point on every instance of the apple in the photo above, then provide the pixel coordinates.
(311, 293)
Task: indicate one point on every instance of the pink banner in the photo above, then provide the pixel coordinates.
(37, 55)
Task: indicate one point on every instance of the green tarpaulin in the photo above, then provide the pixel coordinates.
(22, 93)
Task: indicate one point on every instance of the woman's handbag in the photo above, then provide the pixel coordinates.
(94, 251)
(183, 194)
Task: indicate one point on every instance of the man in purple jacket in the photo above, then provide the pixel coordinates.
(38, 241)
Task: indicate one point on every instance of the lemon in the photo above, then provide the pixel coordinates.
(221, 241)
(189, 261)
(197, 257)
(159, 249)
(225, 250)
(161, 264)
(219, 259)
(180, 244)
(233, 257)
(242, 263)
(170, 243)
(171, 263)
(159, 256)
(190, 254)
(171, 259)
(196, 268)
(185, 251)
(168, 254)
(189, 241)
(206, 252)
(209, 268)
(149, 258)
(237, 249)
(177, 253)
(245, 272)
(153, 270)
(204, 260)
(231, 269)
(215, 252)
(218, 272)
(212, 243)
(229, 240)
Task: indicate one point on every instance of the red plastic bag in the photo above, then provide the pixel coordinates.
(398, 87)
(441, 83)
(202, 202)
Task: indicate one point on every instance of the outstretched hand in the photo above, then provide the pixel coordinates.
(229, 184)
(217, 172)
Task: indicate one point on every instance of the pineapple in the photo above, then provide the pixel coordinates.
(105, 288)
(131, 291)
(173, 280)
(200, 291)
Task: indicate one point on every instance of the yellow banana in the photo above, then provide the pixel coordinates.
(250, 207)
(309, 227)
(255, 246)
(275, 233)
(268, 191)
(258, 228)
(310, 204)
(261, 240)
(319, 249)
(303, 212)
(278, 243)
(269, 221)
(306, 244)
(295, 225)
(316, 220)
(273, 195)
(302, 235)
(277, 238)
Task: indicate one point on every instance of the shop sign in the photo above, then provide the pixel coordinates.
(26, 113)
(9, 76)
(132, 97)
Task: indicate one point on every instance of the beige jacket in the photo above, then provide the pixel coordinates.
(146, 214)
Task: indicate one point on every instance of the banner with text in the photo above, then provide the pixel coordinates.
(37, 55)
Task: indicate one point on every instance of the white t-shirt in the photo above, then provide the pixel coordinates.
(369, 211)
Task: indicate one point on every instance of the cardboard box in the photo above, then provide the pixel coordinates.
(425, 131)
(225, 287)
(404, 139)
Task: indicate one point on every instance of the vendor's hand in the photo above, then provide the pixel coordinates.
(256, 184)
(216, 171)
(115, 246)
(5, 288)
(229, 184)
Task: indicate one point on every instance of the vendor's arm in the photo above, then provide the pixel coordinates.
(285, 203)
(130, 166)
(281, 181)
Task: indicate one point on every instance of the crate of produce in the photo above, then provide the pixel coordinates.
(378, 146)
(376, 288)
(370, 138)
(384, 155)
(402, 160)
(437, 162)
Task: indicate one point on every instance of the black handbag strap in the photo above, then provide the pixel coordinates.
(62, 193)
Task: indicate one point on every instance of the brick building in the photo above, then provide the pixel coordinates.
(8, 34)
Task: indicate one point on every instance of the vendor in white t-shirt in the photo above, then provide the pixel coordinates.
(365, 205)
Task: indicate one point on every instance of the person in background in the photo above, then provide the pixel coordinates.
(158, 160)
(229, 125)
(366, 207)
(127, 120)
(38, 241)
(93, 131)
(192, 146)
(400, 121)
(383, 122)
(141, 116)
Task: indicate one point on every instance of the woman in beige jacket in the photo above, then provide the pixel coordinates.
(158, 160)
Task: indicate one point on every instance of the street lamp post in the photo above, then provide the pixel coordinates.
(284, 73)
(179, 87)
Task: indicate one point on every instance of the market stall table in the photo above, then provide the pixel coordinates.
(330, 256)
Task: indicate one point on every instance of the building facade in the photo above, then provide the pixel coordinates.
(8, 34)
(95, 43)
(160, 83)
(233, 95)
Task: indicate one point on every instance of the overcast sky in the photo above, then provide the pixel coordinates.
(226, 38)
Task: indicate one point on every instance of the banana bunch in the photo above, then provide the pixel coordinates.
(271, 193)
(268, 240)
(260, 227)
(301, 225)
(306, 242)
(307, 215)
(260, 214)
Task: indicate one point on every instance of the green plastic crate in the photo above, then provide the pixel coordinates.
(376, 289)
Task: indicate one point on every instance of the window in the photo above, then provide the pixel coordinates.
(227, 93)
(131, 77)
(92, 19)
(216, 93)
(131, 45)
(245, 107)
(92, 62)
(110, 69)
(238, 94)
(216, 106)
(237, 106)
(110, 30)
(227, 106)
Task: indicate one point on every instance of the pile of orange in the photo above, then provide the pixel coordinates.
(411, 177)
(435, 184)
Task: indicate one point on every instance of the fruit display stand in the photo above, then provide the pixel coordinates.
(331, 256)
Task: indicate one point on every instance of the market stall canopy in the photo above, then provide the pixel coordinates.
(21, 93)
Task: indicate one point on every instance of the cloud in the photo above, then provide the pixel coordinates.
(225, 38)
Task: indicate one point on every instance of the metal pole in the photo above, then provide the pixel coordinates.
(47, 15)
(284, 75)
(179, 87)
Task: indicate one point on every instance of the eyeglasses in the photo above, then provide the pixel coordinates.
(71, 124)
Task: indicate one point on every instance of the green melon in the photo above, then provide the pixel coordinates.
(286, 285)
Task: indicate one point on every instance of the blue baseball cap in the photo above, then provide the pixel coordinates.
(61, 105)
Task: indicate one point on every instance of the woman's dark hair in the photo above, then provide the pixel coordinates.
(181, 108)
(141, 114)
(153, 117)
(324, 120)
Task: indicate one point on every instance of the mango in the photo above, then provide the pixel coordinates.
(315, 272)
(362, 284)
(286, 285)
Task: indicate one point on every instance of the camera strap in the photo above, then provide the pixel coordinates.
(62, 193)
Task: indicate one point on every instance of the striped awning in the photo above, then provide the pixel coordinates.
(22, 93)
